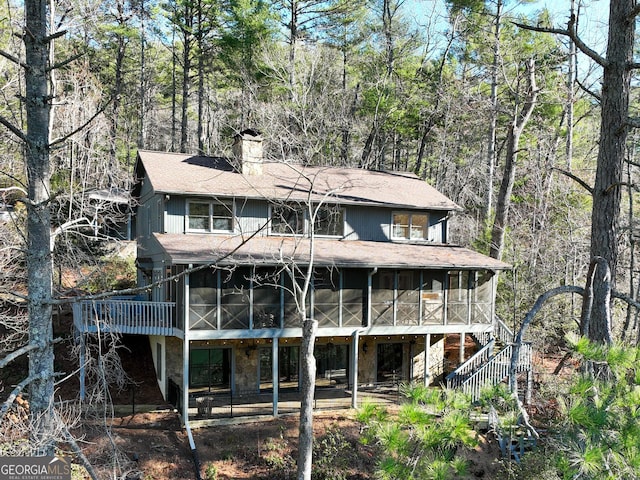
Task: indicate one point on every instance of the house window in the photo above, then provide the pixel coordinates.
(211, 216)
(329, 221)
(287, 219)
(410, 226)
(290, 219)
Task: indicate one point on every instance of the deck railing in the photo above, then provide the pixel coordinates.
(502, 331)
(124, 316)
(472, 379)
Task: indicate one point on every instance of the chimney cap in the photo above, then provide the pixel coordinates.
(249, 132)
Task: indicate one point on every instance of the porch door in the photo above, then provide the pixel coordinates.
(210, 368)
(389, 361)
(288, 368)
(332, 365)
(266, 370)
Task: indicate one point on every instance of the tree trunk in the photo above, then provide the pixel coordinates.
(186, 76)
(504, 197)
(493, 118)
(307, 390)
(201, 53)
(607, 191)
(39, 270)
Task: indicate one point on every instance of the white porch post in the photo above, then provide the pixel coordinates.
(463, 336)
(427, 354)
(354, 368)
(83, 359)
(275, 374)
(185, 352)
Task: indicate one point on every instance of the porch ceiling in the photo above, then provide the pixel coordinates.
(268, 251)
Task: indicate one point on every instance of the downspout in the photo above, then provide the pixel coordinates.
(185, 380)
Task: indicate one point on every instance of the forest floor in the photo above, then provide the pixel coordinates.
(157, 447)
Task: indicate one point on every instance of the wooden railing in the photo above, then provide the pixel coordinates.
(502, 331)
(124, 316)
(482, 356)
(476, 375)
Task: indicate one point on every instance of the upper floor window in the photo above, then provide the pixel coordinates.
(210, 216)
(410, 226)
(287, 219)
(292, 219)
(329, 221)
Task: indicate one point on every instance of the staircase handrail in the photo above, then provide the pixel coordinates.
(502, 331)
(481, 356)
(491, 372)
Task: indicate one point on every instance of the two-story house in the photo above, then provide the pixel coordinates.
(221, 241)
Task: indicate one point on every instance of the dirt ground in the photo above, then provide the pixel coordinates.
(156, 447)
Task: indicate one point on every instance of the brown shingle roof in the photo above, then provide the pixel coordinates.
(175, 173)
(203, 248)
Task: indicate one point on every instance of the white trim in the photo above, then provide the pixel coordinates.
(229, 203)
(425, 238)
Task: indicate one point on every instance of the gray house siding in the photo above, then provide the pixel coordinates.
(167, 215)
(251, 215)
(175, 213)
(367, 224)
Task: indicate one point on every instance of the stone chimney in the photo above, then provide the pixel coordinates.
(247, 150)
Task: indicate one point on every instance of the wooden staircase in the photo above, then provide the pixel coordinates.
(491, 364)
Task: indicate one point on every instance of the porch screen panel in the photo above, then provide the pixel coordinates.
(408, 298)
(433, 298)
(291, 314)
(326, 302)
(457, 300)
(179, 314)
(266, 299)
(354, 286)
(481, 296)
(382, 293)
(234, 298)
(202, 300)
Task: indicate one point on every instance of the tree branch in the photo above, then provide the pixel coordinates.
(21, 351)
(81, 127)
(15, 130)
(16, 391)
(571, 33)
(78, 451)
(581, 182)
(588, 90)
(515, 356)
(13, 59)
(635, 11)
(17, 353)
(65, 62)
